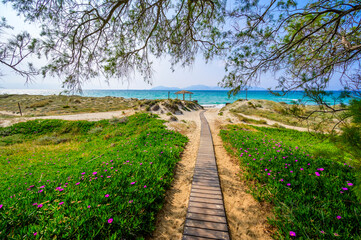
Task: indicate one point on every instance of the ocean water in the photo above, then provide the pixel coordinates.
(205, 98)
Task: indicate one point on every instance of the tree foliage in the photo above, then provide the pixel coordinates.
(305, 46)
(115, 38)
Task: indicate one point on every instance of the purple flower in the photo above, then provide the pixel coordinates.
(1, 205)
(35, 233)
(345, 189)
(77, 183)
(338, 217)
(61, 203)
(281, 180)
(35, 204)
(40, 191)
(293, 234)
(83, 173)
(42, 186)
(323, 232)
(130, 201)
(321, 169)
(110, 220)
(301, 169)
(89, 206)
(336, 234)
(145, 186)
(40, 205)
(288, 184)
(106, 195)
(350, 184)
(317, 174)
(94, 173)
(132, 183)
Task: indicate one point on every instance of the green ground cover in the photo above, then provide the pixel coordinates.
(309, 183)
(85, 180)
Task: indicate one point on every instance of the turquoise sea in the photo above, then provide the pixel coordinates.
(204, 97)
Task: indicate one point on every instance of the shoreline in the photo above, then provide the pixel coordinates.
(204, 97)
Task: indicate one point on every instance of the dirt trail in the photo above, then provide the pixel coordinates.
(170, 220)
(80, 116)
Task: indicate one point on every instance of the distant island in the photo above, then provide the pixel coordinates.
(201, 87)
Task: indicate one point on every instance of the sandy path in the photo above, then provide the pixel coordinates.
(81, 116)
(170, 220)
(247, 218)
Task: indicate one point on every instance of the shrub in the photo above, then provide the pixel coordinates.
(155, 107)
(173, 118)
(95, 130)
(46, 140)
(39, 104)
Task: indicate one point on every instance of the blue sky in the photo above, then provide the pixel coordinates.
(199, 73)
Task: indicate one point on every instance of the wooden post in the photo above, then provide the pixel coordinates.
(21, 114)
(183, 96)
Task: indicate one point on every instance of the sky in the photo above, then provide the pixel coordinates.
(200, 73)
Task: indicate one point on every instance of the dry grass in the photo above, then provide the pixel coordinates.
(39, 105)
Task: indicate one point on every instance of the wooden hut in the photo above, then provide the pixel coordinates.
(185, 92)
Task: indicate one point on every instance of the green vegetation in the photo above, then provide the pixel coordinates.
(85, 180)
(309, 182)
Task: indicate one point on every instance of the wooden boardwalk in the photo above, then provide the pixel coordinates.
(206, 218)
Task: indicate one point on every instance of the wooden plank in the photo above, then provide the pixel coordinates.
(213, 212)
(199, 232)
(187, 237)
(206, 225)
(199, 187)
(210, 196)
(207, 176)
(206, 200)
(206, 205)
(205, 179)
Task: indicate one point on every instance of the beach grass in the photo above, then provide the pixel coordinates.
(309, 182)
(85, 180)
(287, 113)
(40, 105)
